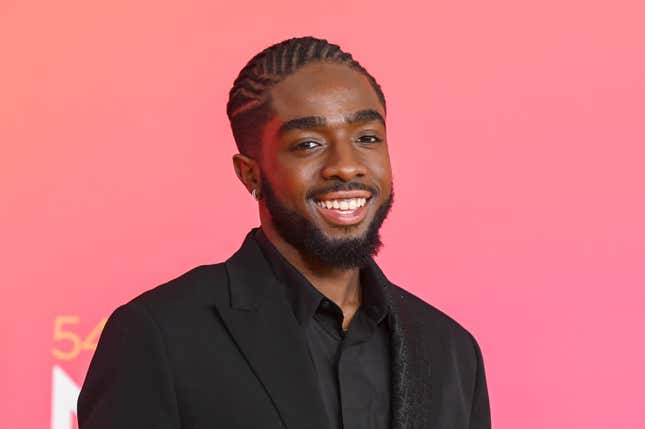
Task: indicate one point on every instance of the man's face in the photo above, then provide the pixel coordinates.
(326, 177)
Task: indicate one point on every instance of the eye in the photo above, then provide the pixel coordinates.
(369, 138)
(305, 145)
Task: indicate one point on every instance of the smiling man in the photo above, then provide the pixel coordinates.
(299, 328)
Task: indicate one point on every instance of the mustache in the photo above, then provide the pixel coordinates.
(341, 186)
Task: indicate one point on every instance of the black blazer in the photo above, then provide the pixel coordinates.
(201, 352)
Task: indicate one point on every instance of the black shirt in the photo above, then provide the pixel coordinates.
(353, 366)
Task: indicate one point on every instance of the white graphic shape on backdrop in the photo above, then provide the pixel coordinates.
(64, 396)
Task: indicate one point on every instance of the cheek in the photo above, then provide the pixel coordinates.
(290, 179)
(381, 169)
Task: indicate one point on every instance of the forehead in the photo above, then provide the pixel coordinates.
(331, 91)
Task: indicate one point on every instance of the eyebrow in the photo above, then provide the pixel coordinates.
(368, 115)
(308, 122)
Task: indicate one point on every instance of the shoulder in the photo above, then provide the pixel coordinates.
(199, 288)
(430, 322)
(200, 284)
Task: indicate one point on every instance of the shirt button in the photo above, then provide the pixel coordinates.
(325, 303)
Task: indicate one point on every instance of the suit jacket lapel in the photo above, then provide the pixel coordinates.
(411, 388)
(263, 325)
(411, 395)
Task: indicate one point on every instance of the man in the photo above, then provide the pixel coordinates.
(299, 328)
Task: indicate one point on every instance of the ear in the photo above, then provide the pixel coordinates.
(248, 171)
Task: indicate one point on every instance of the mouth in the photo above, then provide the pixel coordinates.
(343, 208)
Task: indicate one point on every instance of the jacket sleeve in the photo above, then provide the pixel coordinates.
(129, 383)
(480, 409)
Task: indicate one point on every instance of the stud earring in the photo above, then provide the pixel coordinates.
(255, 194)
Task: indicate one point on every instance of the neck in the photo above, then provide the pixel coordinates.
(341, 286)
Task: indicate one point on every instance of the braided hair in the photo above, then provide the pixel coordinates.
(249, 105)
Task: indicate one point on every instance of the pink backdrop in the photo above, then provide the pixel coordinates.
(516, 131)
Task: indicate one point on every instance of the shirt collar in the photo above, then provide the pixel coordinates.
(305, 298)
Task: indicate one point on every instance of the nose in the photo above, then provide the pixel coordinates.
(343, 162)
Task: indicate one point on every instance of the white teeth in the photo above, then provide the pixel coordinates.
(346, 204)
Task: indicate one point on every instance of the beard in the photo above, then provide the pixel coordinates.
(342, 253)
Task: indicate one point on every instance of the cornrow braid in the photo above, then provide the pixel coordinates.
(248, 106)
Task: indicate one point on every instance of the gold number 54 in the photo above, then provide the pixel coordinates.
(64, 332)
